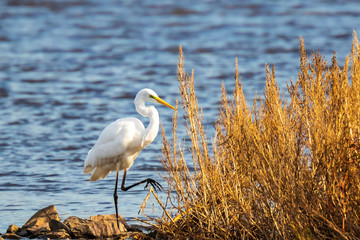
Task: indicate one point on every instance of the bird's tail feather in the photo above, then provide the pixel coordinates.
(100, 173)
(88, 169)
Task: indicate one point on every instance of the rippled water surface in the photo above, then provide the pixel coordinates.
(70, 67)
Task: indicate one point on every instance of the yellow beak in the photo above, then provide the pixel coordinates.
(159, 100)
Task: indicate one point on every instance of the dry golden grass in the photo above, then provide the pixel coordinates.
(285, 169)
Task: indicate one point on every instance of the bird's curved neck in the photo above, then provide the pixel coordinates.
(153, 128)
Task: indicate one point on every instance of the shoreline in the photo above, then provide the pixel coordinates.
(46, 224)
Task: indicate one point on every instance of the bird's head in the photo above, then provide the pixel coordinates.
(147, 94)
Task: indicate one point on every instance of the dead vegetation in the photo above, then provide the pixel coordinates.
(285, 169)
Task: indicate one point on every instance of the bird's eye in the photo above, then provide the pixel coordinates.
(151, 96)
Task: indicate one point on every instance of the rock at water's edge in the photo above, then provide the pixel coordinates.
(10, 236)
(42, 217)
(45, 223)
(56, 225)
(59, 234)
(73, 221)
(101, 226)
(13, 229)
(38, 224)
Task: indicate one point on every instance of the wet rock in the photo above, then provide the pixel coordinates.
(111, 218)
(46, 224)
(101, 226)
(10, 236)
(38, 224)
(34, 231)
(56, 225)
(72, 222)
(42, 217)
(59, 234)
(13, 229)
(23, 233)
(82, 231)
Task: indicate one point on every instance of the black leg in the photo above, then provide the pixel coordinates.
(153, 183)
(116, 199)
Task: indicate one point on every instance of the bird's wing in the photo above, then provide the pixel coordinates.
(114, 144)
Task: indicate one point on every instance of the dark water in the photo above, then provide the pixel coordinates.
(70, 67)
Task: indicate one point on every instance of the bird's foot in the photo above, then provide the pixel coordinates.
(154, 184)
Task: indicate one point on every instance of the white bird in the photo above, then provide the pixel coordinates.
(122, 140)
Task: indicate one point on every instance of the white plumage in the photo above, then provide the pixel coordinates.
(116, 148)
(122, 140)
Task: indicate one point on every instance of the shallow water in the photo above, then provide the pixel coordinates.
(68, 68)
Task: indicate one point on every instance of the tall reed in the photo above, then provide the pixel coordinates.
(285, 169)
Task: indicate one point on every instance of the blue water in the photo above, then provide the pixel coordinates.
(70, 67)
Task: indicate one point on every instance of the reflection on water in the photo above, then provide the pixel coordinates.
(68, 68)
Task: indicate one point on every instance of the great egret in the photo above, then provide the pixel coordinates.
(122, 140)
